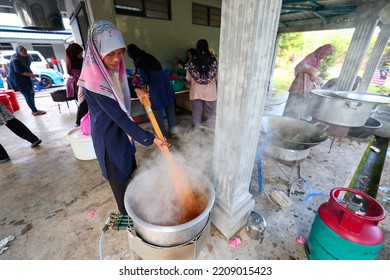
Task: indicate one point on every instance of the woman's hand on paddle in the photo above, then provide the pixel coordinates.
(161, 144)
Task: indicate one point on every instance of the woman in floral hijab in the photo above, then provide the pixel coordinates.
(103, 83)
(202, 71)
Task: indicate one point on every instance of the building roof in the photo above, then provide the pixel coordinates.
(299, 16)
(11, 30)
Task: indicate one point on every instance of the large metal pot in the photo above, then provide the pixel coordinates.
(293, 134)
(382, 113)
(150, 201)
(368, 129)
(343, 108)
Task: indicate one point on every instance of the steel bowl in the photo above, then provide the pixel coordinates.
(293, 134)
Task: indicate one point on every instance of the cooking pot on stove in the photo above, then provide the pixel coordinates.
(149, 199)
(350, 109)
(365, 131)
(382, 113)
(293, 134)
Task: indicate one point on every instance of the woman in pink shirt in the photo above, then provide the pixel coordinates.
(202, 71)
(305, 80)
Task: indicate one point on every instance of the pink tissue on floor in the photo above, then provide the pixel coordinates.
(91, 214)
(235, 242)
(300, 240)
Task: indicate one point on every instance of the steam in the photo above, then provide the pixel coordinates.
(151, 194)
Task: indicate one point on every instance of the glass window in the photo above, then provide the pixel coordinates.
(160, 9)
(35, 57)
(206, 15)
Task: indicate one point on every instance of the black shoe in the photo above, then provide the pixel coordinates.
(4, 160)
(36, 143)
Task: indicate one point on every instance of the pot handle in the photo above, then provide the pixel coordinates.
(351, 105)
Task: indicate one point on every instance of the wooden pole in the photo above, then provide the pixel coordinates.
(179, 180)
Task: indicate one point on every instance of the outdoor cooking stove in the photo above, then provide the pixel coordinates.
(187, 251)
(343, 110)
(288, 141)
(151, 203)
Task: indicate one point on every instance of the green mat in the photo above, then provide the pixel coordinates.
(118, 221)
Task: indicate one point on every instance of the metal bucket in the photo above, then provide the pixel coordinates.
(150, 198)
(255, 226)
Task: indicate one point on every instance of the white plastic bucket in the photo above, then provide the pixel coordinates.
(82, 145)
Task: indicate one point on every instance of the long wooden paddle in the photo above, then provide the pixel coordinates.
(178, 178)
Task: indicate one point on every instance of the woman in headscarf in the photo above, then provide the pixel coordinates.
(20, 77)
(74, 63)
(305, 80)
(103, 82)
(162, 95)
(202, 72)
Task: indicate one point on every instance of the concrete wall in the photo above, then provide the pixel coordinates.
(165, 39)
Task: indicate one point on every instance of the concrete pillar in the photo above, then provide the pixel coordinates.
(375, 57)
(357, 49)
(377, 52)
(247, 42)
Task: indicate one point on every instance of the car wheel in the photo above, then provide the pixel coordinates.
(46, 82)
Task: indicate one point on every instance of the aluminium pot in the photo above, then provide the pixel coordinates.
(150, 201)
(382, 113)
(293, 134)
(365, 131)
(350, 109)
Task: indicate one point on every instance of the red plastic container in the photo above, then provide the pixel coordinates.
(7, 103)
(13, 98)
(358, 228)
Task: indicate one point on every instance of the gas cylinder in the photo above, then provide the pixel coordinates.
(346, 227)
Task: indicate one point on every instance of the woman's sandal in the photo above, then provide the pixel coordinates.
(39, 112)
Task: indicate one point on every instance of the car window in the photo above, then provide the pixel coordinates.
(35, 57)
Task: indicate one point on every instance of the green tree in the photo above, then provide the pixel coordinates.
(290, 44)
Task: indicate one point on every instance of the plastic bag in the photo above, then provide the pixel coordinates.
(85, 124)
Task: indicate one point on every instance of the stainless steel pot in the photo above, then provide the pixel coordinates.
(368, 129)
(382, 113)
(293, 134)
(151, 191)
(343, 108)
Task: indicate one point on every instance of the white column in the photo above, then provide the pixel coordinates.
(377, 52)
(375, 57)
(360, 40)
(247, 43)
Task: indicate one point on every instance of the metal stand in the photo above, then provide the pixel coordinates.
(331, 144)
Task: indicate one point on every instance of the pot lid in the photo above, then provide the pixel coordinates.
(361, 96)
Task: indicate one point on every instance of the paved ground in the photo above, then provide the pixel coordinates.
(56, 205)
